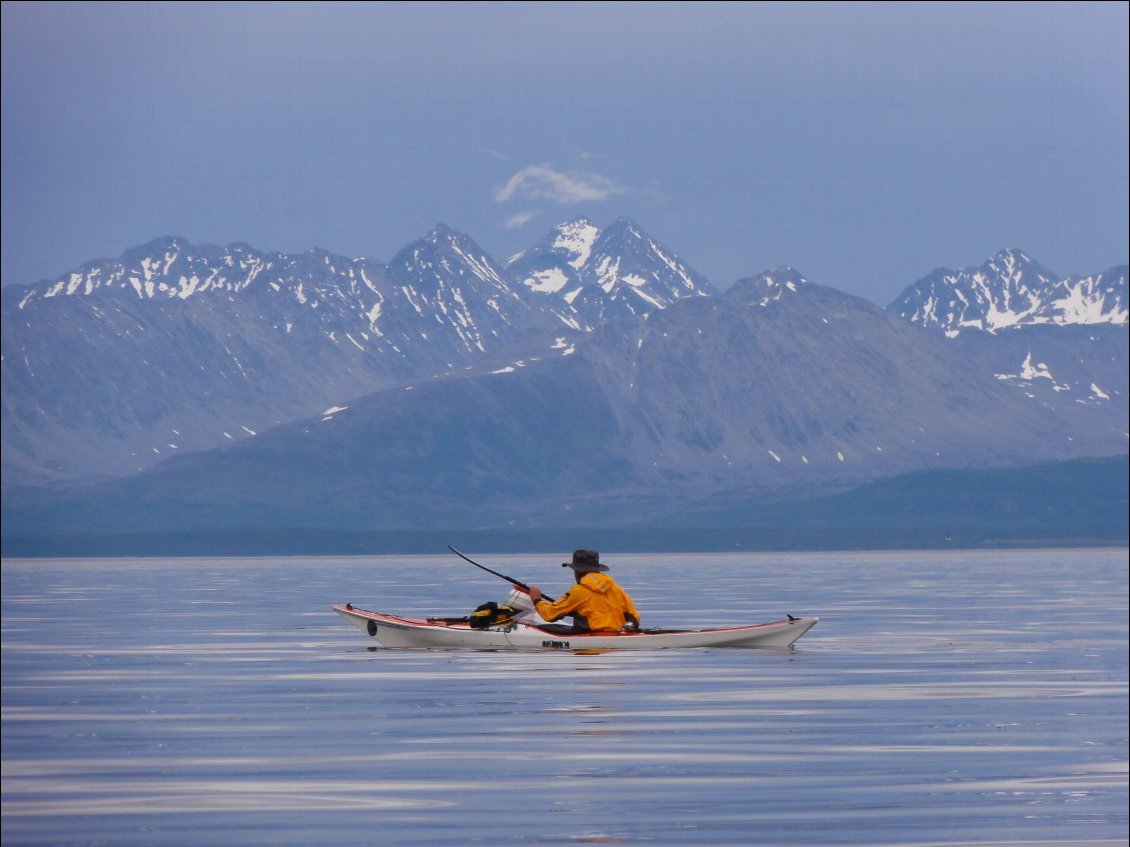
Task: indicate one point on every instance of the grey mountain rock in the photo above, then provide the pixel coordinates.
(779, 384)
(174, 347)
(1079, 371)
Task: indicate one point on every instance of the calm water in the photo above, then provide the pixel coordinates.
(944, 698)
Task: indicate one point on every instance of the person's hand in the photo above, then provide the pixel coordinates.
(535, 593)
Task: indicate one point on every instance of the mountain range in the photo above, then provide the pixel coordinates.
(174, 348)
(591, 380)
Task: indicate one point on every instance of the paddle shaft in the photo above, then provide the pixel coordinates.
(510, 579)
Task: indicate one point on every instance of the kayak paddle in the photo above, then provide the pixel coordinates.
(509, 579)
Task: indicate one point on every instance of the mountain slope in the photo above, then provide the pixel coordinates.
(778, 385)
(1062, 342)
(781, 381)
(175, 347)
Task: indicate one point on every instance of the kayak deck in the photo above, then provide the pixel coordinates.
(395, 631)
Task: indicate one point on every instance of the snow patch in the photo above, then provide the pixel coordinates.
(1038, 371)
(374, 315)
(479, 265)
(1083, 303)
(577, 238)
(548, 281)
(608, 273)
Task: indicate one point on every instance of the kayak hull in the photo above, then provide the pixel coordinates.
(397, 632)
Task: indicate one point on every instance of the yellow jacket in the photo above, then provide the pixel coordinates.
(596, 600)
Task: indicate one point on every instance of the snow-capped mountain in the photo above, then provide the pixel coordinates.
(777, 384)
(1009, 290)
(1061, 341)
(458, 299)
(175, 347)
(588, 276)
(768, 287)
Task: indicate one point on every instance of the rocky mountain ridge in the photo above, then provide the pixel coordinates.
(175, 347)
(600, 275)
(1010, 290)
(777, 385)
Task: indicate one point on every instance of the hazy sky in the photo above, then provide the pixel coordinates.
(863, 144)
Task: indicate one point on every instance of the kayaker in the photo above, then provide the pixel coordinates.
(595, 602)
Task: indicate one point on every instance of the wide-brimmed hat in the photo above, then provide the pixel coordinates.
(585, 561)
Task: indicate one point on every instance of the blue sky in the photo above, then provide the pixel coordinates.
(863, 144)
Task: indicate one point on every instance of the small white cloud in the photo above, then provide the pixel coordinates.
(519, 220)
(541, 182)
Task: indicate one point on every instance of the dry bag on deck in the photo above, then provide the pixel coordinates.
(490, 614)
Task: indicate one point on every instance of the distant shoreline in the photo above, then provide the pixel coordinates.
(237, 543)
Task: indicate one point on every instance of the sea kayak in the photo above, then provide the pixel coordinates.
(395, 631)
